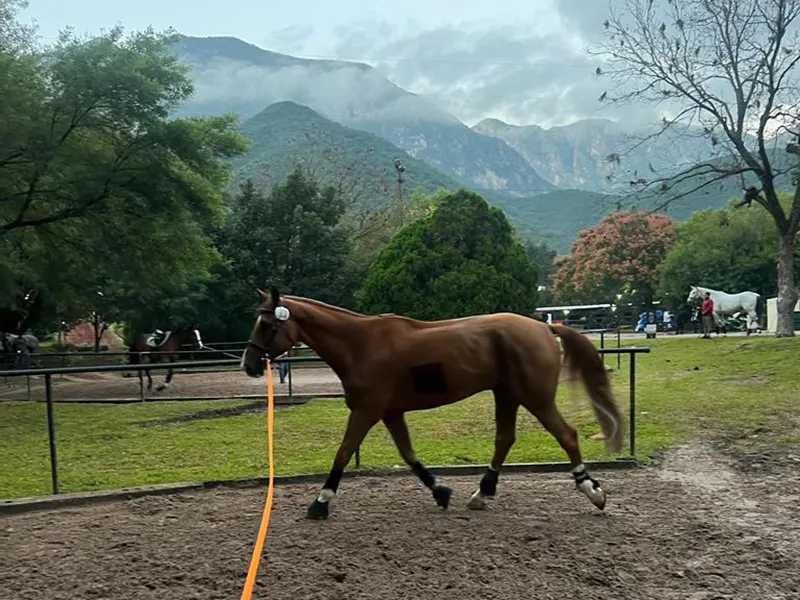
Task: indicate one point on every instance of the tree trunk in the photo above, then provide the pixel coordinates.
(99, 330)
(787, 288)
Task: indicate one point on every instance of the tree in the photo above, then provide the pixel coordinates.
(463, 258)
(91, 128)
(13, 35)
(725, 249)
(292, 238)
(543, 257)
(619, 255)
(729, 67)
(99, 189)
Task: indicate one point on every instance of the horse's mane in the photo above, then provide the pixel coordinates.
(325, 305)
(345, 311)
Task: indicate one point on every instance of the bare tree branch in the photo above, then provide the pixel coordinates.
(726, 68)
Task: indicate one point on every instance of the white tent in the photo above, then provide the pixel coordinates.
(772, 314)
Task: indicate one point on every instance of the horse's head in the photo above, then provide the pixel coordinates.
(273, 334)
(694, 296)
(190, 334)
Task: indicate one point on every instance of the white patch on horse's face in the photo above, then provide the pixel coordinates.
(199, 339)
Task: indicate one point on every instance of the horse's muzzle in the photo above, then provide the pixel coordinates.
(253, 361)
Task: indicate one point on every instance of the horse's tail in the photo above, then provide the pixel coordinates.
(584, 359)
(761, 307)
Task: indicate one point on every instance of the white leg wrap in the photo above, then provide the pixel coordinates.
(579, 469)
(596, 495)
(477, 501)
(326, 495)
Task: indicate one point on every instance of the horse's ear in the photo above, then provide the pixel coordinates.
(263, 296)
(275, 297)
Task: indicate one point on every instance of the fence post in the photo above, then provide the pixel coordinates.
(632, 417)
(290, 374)
(619, 356)
(51, 432)
(603, 344)
(358, 458)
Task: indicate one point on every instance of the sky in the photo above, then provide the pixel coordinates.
(522, 61)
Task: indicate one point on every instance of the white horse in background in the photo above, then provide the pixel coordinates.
(726, 305)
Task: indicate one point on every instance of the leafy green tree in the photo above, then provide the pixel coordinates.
(726, 249)
(14, 36)
(99, 189)
(543, 256)
(292, 238)
(463, 258)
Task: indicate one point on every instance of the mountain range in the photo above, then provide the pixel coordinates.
(358, 163)
(349, 123)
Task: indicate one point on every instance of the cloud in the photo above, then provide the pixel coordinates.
(223, 84)
(523, 66)
(517, 73)
(585, 18)
(291, 39)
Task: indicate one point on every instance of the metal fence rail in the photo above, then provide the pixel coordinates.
(631, 351)
(227, 348)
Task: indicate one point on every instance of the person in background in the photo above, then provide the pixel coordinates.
(283, 367)
(707, 316)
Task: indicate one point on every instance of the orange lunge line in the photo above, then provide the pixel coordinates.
(262, 531)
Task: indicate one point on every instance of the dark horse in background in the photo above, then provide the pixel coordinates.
(161, 346)
(17, 319)
(15, 343)
(390, 365)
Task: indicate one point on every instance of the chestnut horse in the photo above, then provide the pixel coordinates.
(162, 346)
(389, 365)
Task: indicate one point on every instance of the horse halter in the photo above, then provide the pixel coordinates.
(281, 314)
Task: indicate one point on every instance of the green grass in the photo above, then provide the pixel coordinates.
(739, 384)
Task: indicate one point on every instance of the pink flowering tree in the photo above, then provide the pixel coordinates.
(619, 255)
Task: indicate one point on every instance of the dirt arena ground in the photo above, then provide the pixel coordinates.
(699, 526)
(95, 387)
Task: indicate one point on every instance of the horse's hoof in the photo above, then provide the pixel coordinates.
(477, 501)
(318, 510)
(592, 490)
(442, 495)
(160, 388)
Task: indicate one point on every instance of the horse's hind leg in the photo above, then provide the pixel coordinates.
(505, 410)
(752, 322)
(567, 436)
(396, 424)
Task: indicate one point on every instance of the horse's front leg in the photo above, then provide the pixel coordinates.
(396, 424)
(358, 425)
(167, 380)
